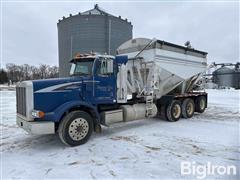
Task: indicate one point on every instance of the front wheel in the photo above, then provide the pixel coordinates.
(75, 128)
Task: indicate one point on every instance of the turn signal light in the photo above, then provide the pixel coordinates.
(38, 114)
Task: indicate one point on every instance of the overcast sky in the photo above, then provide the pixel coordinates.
(30, 28)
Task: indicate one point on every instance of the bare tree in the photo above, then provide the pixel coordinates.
(26, 72)
(35, 73)
(43, 70)
(53, 72)
(3, 76)
(12, 72)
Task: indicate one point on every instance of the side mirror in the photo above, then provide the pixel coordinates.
(110, 66)
(106, 67)
(73, 66)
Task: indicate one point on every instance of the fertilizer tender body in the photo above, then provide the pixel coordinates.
(148, 78)
(158, 67)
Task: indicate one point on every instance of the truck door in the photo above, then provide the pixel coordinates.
(105, 81)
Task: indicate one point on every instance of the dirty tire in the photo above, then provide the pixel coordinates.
(188, 108)
(75, 128)
(200, 104)
(174, 111)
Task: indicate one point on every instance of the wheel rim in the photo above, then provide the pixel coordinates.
(176, 111)
(189, 108)
(202, 104)
(78, 129)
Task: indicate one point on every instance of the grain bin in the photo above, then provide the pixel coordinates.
(224, 77)
(93, 30)
(237, 76)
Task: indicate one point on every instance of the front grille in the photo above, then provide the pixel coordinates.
(21, 100)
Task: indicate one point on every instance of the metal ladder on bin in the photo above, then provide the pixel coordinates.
(149, 93)
(149, 105)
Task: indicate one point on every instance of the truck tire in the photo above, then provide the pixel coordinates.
(188, 108)
(200, 104)
(75, 128)
(174, 111)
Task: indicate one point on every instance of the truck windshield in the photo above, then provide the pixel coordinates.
(82, 68)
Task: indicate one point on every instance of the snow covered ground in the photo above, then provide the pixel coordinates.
(143, 149)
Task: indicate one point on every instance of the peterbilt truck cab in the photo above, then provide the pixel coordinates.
(70, 106)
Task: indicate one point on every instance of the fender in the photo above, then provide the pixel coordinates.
(58, 112)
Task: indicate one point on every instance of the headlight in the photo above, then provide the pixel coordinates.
(38, 114)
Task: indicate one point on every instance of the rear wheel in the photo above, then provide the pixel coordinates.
(174, 111)
(200, 104)
(75, 128)
(188, 108)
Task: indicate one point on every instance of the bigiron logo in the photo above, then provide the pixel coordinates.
(208, 169)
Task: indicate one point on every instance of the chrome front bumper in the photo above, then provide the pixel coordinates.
(33, 127)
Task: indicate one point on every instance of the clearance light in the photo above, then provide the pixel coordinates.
(38, 114)
(78, 55)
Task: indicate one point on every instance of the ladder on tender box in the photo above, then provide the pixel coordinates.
(149, 90)
(149, 105)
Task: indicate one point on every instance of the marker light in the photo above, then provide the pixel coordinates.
(38, 114)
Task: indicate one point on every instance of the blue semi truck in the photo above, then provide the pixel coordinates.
(102, 90)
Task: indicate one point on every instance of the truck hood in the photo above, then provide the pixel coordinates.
(48, 85)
